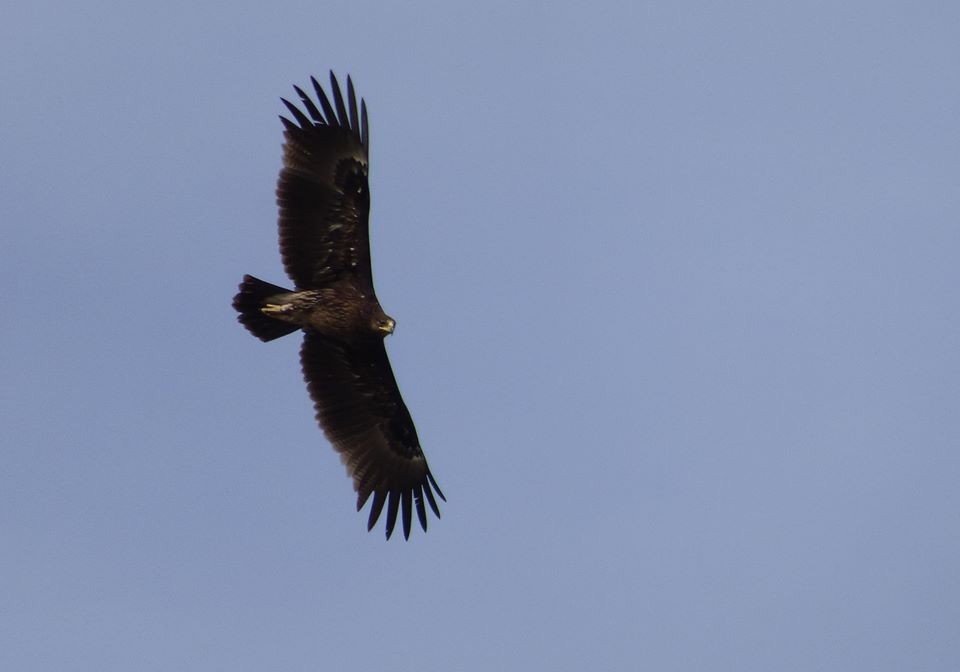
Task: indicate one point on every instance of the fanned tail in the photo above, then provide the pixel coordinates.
(248, 302)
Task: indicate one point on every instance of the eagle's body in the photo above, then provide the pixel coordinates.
(324, 200)
(340, 311)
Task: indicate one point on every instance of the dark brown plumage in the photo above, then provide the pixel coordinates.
(324, 201)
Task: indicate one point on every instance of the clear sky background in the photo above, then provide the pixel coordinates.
(677, 298)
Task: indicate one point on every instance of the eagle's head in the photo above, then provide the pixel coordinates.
(384, 324)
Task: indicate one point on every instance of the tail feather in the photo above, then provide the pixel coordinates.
(249, 301)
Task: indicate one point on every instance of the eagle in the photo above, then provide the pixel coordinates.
(323, 194)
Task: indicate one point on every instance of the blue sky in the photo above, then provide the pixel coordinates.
(676, 292)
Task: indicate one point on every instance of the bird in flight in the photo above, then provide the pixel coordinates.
(324, 200)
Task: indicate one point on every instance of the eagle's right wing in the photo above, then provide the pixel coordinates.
(323, 191)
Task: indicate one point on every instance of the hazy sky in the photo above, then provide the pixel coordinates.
(676, 287)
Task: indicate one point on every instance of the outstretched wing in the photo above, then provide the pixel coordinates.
(360, 410)
(322, 192)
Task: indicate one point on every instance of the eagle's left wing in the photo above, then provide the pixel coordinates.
(360, 410)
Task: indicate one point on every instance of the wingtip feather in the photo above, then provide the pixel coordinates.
(297, 114)
(324, 102)
(421, 510)
(430, 500)
(287, 124)
(352, 101)
(392, 506)
(379, 498)
(311, 107)
(364, 125)
(338, 101)
(406, 509)
(435, 486)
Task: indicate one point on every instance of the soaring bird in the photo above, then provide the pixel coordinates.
(324, 201)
